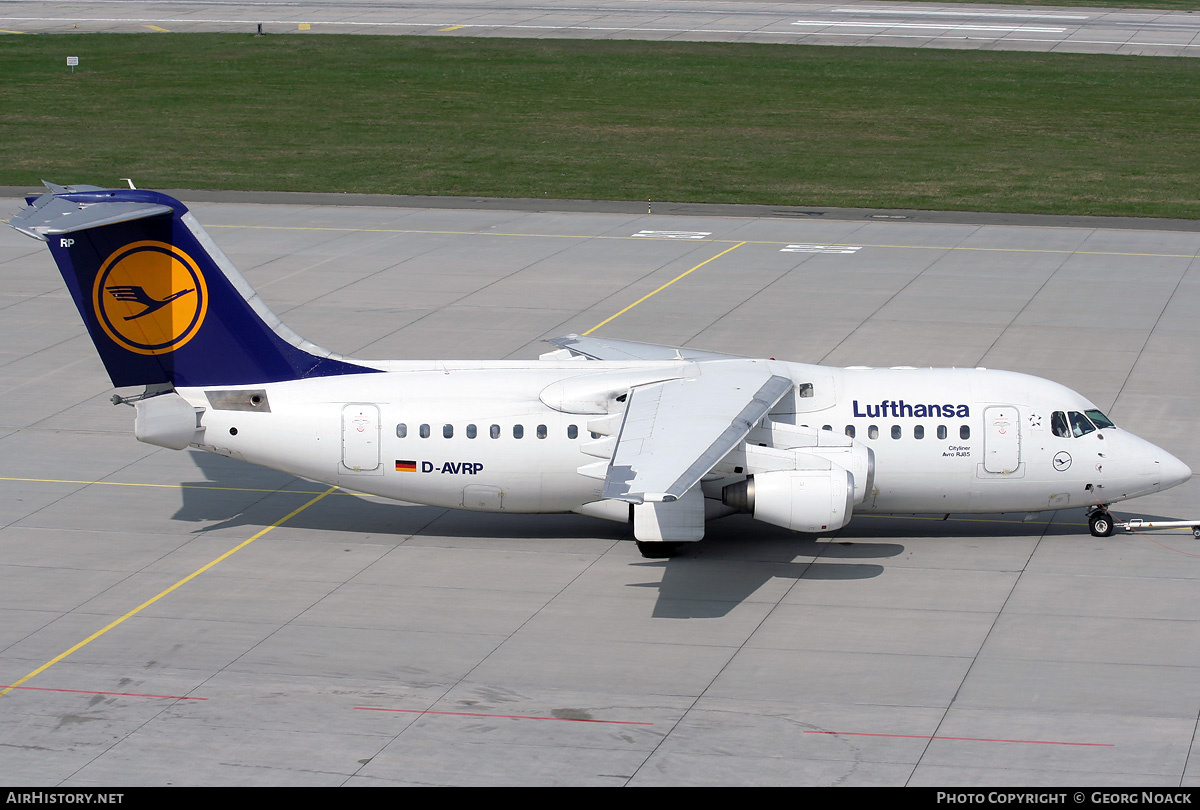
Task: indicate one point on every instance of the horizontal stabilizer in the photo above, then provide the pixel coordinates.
(49, 215)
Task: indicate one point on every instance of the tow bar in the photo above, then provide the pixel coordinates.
(1137, 524)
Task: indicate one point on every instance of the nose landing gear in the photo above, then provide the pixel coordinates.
(1100, 522)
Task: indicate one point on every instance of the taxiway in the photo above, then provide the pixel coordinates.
(856, 22)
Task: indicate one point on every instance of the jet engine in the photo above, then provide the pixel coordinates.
(167, 421)
(800, 500)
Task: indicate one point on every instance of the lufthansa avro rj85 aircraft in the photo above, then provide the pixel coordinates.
(666, 438)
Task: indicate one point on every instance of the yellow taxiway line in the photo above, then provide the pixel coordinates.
(660, 289)
(154, 599)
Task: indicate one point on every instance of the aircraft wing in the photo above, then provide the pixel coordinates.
(605, 349)
(675, 431)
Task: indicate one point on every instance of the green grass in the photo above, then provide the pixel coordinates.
(1164, 5)
(712, 122)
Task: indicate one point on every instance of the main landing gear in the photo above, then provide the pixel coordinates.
(1100, 522)
(658, 550)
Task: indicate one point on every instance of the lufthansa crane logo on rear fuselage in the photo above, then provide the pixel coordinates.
(150, 297)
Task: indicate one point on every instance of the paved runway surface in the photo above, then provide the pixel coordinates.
(1084, 30)
(373, 643)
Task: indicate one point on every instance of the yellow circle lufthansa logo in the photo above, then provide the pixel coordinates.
(150, 297)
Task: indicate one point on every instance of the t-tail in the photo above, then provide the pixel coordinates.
(162, 303)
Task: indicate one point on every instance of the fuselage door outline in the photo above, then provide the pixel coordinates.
(1001, 440)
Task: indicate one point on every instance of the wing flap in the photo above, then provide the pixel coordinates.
(657, 459)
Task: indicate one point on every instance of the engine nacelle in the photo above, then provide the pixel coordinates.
(168, 421)
(766, 444)
(857, 459)
(800, 500)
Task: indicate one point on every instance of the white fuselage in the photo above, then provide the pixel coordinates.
(515, 436)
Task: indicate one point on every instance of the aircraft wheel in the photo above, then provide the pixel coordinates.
(1196, 531)
(1101, 524)
(658, 550)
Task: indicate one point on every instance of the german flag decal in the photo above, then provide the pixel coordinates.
(406, 466)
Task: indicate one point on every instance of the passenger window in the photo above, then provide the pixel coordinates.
(850, 431)
(805, 390)
(873, 432)
(518, 431)
(919, 432)
(1058, 425)
(541, 431)
(572, 432)
(447, 431)
(895, 431)
(1080, 426)
(942, 432)
(494, 431)
(594, 434)
(827, 427)
(424, 431)
(964, 432)
(471, 431)
(401, 430)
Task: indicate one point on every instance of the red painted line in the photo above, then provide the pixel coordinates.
(504, 716)
(91, 692)
(960, 739)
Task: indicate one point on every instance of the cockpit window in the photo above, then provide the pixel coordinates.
(1066, 425)
(1080, 425)
(1058, 424)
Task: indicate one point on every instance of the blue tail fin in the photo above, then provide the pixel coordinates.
(161, 301)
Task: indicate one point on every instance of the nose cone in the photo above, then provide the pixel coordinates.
(1173, 472)
(1134, 466)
